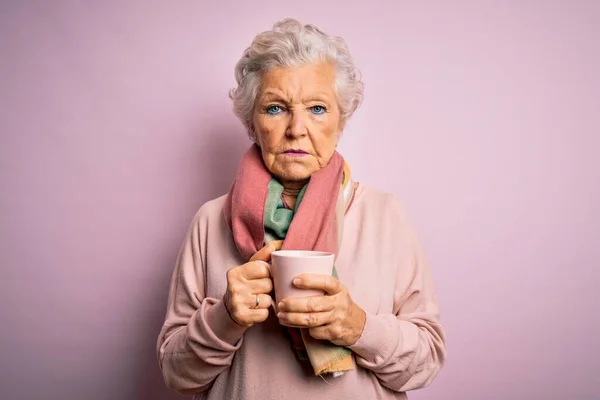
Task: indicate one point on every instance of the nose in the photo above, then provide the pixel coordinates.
(297, 125)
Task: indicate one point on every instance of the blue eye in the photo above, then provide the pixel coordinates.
(273, 110)
(318, 110)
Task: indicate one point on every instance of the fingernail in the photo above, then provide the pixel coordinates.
(297, 281)
(280, 315)
(280, 305)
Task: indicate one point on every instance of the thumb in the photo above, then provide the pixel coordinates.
(264, 254)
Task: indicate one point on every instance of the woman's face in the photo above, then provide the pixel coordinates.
(297, 120)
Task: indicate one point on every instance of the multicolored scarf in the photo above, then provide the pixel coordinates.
(256, 215)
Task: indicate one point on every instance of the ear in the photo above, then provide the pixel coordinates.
(339, 135)
(252, 132)
(342, 126)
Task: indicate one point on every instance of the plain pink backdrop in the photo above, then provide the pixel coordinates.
(483, 117)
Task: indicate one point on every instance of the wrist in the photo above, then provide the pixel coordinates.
(227, 306)
(359, 318)
(220, 323)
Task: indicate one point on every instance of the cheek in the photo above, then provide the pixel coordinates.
(267, 131)
(329, 124)
(261, 130)
(328, 136)
(267, 141)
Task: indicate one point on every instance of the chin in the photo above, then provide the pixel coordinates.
(293, 174)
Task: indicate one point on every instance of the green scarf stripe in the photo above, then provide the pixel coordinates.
(277, 217)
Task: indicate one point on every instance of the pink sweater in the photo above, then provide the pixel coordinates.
(203, 352)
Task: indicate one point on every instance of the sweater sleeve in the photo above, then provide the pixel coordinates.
(405, 349)
(198, 339)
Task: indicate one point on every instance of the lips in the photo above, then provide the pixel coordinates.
(295, 151)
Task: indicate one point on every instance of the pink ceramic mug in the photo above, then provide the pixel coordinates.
(288, 264)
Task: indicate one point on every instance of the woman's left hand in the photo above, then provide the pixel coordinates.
(333, 316)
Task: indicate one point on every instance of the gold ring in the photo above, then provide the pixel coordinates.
(257, 301)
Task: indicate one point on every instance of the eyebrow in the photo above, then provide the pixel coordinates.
(270, 95)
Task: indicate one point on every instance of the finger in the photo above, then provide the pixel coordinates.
(259, 315)
(307, 304)
(264, 301)
(251, 317)
(327, 283)
(304, 320)
(263, 285)
(256, 270)
(264, 254)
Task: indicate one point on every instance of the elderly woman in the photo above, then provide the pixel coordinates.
(375, 333)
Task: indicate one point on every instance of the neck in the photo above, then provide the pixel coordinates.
(291, 190)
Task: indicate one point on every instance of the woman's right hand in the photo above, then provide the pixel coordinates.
(247, 297)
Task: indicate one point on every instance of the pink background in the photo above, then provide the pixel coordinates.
(483, 117)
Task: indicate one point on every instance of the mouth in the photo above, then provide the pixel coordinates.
(295, 151)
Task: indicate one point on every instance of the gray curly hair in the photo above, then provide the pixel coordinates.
(291, 44)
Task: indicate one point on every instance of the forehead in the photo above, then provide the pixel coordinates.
(299, 82)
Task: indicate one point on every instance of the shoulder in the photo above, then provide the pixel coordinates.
(211, 208)
(210, 212)
(382, 213)
(377, 201)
